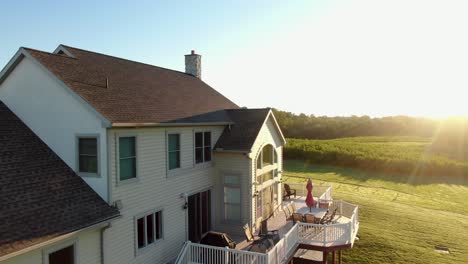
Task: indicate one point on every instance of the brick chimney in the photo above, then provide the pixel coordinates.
(193, 64)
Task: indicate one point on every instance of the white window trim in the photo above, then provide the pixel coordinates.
(47, 251)
(260, 157)
(204, 163)
(98, 149)
(117, 158)
(172, 172)
(138, 250)
(240, 196)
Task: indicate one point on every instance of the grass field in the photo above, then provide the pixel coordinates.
(403, 155)
(399, 222)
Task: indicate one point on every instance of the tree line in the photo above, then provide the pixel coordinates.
(324, 127)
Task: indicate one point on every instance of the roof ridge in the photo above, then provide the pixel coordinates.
(248, 109)
(49, 53)
(119, 58)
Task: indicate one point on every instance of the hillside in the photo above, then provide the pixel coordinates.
(402, 155)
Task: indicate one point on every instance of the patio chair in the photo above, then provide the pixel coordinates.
(309, 219)
(324, 204)
(248, 233)
(288, 192)
(291, 209)
(287, 213)
(331, 217)
(258, 225)
(325, 218)
(297, 217)
(293, 206)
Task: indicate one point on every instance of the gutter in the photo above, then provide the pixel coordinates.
(135, 125)
(58, 238)
(232, 151)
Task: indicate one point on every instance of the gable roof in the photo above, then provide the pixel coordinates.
(241, 135)
(125, 91)
(41, 197)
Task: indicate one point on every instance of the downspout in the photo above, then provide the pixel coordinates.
(102, 241)
(251, 189)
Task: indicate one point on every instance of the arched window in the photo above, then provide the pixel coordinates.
(267, 156)
(266, 183)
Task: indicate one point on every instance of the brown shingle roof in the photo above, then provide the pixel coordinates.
(242, 134)
(41, 197)
(125, 91)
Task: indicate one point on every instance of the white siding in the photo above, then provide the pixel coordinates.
(88, 250)
(154, 189)
(54, 114)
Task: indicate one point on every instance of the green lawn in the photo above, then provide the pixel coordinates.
(399, 222)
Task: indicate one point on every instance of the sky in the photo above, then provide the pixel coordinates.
(335, 58)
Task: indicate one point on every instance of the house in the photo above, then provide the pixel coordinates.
(48, 214)
(173, 155)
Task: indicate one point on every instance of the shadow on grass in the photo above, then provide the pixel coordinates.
(298, 166)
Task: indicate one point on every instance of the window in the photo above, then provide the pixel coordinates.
(267, 155)
(88, 155)
(265, 177)
(173, 149)
(64, 255)
(202, 147)
(127, 158)
(149, 229)
(232, 198)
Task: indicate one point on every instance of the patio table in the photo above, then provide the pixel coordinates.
(316, 212)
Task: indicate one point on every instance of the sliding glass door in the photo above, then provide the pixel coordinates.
(199, 215)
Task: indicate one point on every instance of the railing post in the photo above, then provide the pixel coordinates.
(325, 235)
(226, 250)
(351, 231)
(189, 251)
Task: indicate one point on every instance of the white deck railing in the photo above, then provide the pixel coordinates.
(332, 234)
(323, 192)
(204, 254)
(301, 233)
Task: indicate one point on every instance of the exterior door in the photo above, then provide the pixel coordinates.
(199, 215)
